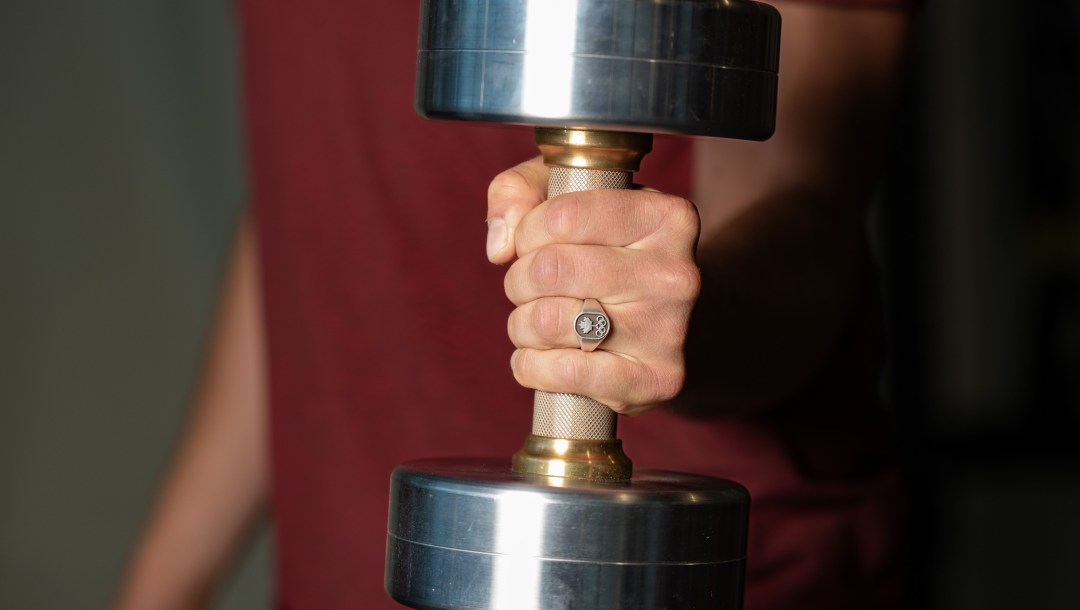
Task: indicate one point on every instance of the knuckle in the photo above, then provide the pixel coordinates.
(683, 214)
(571, 371)
(666, 383)
(547, 321)
(524, 366)
(681, 280)
(550, 269)
(563, 219)
(513, 327)
(515, 284)
(691, 280)
(509, 182)
(519, 364)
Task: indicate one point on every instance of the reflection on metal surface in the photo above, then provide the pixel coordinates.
(678, 66)
(519, 540)
(592, 460)
(473, 534)
(548, 73)
(593, 149)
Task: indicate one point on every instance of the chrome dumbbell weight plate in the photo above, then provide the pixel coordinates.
(471, 534)
(694, 67)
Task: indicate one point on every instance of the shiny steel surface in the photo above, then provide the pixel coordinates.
(471, 533)
(475, 534)
(701, 67)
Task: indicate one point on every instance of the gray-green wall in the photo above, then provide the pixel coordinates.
(121, 177)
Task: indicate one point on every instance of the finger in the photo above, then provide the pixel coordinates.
(609, 275)
(641, 331)
(626, 385)
(511, 195)
(544, 323)
(625, 218)
(548, 323)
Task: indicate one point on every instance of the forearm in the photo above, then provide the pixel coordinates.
(778, 284)
(783, 252)
(218, 478)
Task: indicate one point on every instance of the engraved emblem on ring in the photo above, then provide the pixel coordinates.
(591, 325)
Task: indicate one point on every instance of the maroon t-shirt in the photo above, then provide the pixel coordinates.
(387, 331)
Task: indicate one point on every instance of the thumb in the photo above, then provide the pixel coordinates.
(511, 195)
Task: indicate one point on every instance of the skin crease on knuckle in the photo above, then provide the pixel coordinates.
(676, 279)
(571, 370)
(687, 280)
(644, 386)
(651, 386)
(682, 218)
(669, 382)
(669, 220)
(663, 333)
(508, 184)
(547, 321)
(551, 269)
(565, 220)
(565, 369)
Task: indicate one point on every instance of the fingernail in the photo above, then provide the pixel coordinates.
(496, 239)
(513, 359)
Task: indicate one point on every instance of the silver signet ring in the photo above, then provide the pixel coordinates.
(591, 325)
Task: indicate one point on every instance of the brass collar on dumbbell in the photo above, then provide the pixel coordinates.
(592, 460)
(593, 149)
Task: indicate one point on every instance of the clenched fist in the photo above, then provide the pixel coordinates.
(631, 250)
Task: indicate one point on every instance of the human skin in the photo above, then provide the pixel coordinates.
(779, 244)
(215, 487)
(778, 227)
(631, 250)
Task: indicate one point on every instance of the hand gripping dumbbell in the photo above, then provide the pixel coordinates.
(566, 523)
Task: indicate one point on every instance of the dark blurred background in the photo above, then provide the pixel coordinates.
(122, 173)
(980, 233)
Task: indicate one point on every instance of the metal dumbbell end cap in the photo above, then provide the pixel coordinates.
(696, 67)
(472, 534)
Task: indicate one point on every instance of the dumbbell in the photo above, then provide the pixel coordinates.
(567, 522)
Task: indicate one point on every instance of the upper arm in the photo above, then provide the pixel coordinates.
(839, 67)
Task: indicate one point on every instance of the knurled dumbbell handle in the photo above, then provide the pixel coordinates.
(556, 414)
